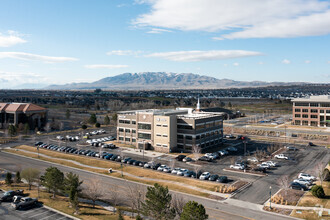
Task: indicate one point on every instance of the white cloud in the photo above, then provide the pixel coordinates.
(35, 57)
(124, 52)
(307, 61)
(240, 18)
(261, 63)
(105, 66)
(196, 55)
(285, 61)
(329, 62)
(12, 79)
(225, 65)
(12, 38)
(158, 31)
(236, 64)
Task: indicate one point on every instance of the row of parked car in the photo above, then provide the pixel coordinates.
(100, 142)
(18, 201)
(68, 138)
(303, 182)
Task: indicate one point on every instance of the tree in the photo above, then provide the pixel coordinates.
(120, 216)
(158, 203)
(18, 177)
(73, 189)
(26, 128)
(67, 114)
(326, 175)
(114, 117)
(193, 211)
(230, 105)
(53, 179)
(92, 119)
(97, 125)
(8, 179)
(196, 150)
(30, 175)
(318, 191)
(178, 203)
(106, 120)
(84, 127)
(318, 170)
(136, 195)
(11, 130)
(94, 190)
(284, 183)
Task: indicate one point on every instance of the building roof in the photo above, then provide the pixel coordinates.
(318, 98)
(217, 109)
(20, 107)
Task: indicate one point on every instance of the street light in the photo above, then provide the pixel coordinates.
(270, 197)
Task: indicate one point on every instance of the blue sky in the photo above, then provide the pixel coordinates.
(64, 41)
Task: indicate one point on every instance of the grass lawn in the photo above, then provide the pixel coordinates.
(309, 200)
(136, 171)
(87, 212)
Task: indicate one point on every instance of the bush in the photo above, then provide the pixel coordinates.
(318, 191)
(97, 125)
(326, 175)
(84, 127)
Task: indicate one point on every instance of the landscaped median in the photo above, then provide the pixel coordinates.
(137, 174)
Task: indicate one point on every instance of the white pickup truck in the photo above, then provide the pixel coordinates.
(281, 156)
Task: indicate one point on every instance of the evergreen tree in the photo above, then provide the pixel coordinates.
(73, 189)
(84, 127)
(97, 125)
(67, 114)
(53, 180)
(120, 216)
(193, 211)
(158, 203)
(11, 130)
(114, 117)
(92, 119)
(18, 177)
(8, 179)
(106, 120)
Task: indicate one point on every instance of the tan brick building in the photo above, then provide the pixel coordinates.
(311, 111)
(167, 130)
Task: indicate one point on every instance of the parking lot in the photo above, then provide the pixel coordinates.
(37, 213)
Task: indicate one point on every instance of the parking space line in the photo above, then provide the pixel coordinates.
(39, 214)
(31, 210)
(48, 216)
(62, 218)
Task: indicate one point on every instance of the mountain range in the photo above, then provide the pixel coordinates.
(163, 80)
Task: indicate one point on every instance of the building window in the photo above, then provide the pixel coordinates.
(321, 111)
(188, 127)
(325, 104)
(313, 116)
(203, 136)
(304, 122)
(305, 110)
(314, 111)
(158, 135)
(305, 116)
(314, 104)
(297, 110)
(188, 137)
(133, 122)
(127, 130)
(144, 126)
(301, 104)
(144, 136)
(198, 137)
(200, 126)
(327, 111)
(158, 145)
(165, 125)
(164, 135)
(121, 129)
(133, 131)
(133, 140)
(297, 122)
(121, 138)
(127, 139)
(297, 115)
(313, 123)
(158, 125)
(180, 146)
(164, 145)
(180, 136)
(124, 121)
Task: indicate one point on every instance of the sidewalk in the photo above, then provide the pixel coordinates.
(274, 205)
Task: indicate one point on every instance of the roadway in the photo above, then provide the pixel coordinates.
(215, 209)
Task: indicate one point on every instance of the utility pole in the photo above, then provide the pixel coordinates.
(270, 197)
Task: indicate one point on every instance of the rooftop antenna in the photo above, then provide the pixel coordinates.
(198, 105)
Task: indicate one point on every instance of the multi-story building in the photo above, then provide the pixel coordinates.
(311, 111)
(168, 130)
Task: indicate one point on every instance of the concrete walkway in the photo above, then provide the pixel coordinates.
(274, 205)
(131, 175)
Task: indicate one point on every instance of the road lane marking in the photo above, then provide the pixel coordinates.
(216, 217)
(230, 213)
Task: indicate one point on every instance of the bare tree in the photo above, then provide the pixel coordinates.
(232, 161)
(284, 183)
(197, 168)
(136, 195)
(172, 164)
(318, 170)
(48, 127)
(196, 151)
(93, 190)
(178, 203)
(114, 196)
(31, 175)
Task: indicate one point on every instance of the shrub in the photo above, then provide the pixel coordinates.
(84, 127)
(97, 125)
(318, 191)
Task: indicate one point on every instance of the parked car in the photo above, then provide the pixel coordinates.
(204, 176)
(181, 172)
(223, 152)
(237, 167)
(213, 156)
(233, 149)
(136, 163)
(38, 143)
(303, 181)
(131, 161)
(311, 144)
(8, 196)
(180, 157)
(264, 165)
(291, 148)
(298, 186)
(229, 136)
(306, 176)
(25, 202)
(205, 158)
(281, 156)
(222, 179)
(167, 170)
(213, 177)
(190, 174)
(271, 163)
(161, 167)
(126, 159)
(175, 170)
(253, 159)
(186, 159)
(259, 169)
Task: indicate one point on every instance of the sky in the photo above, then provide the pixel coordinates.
(64, 41)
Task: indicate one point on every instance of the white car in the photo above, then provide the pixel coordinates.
(210, 155)
(167, 170)
(175, 170)
(186, 159)
(223, 152)
(204, 176)
(181, 172)
(253, 159)
(264, 165)
(306, 176)
(161, 167)
(271, 163)
(237, 167)
(303, 181)
(281, 156)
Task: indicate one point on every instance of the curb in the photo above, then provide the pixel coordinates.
(247, 173)
(62, 213)
(241, 189)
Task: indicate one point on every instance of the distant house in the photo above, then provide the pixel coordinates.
(228, 114)
(16, 113)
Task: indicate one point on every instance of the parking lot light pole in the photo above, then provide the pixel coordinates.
(270, 197)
